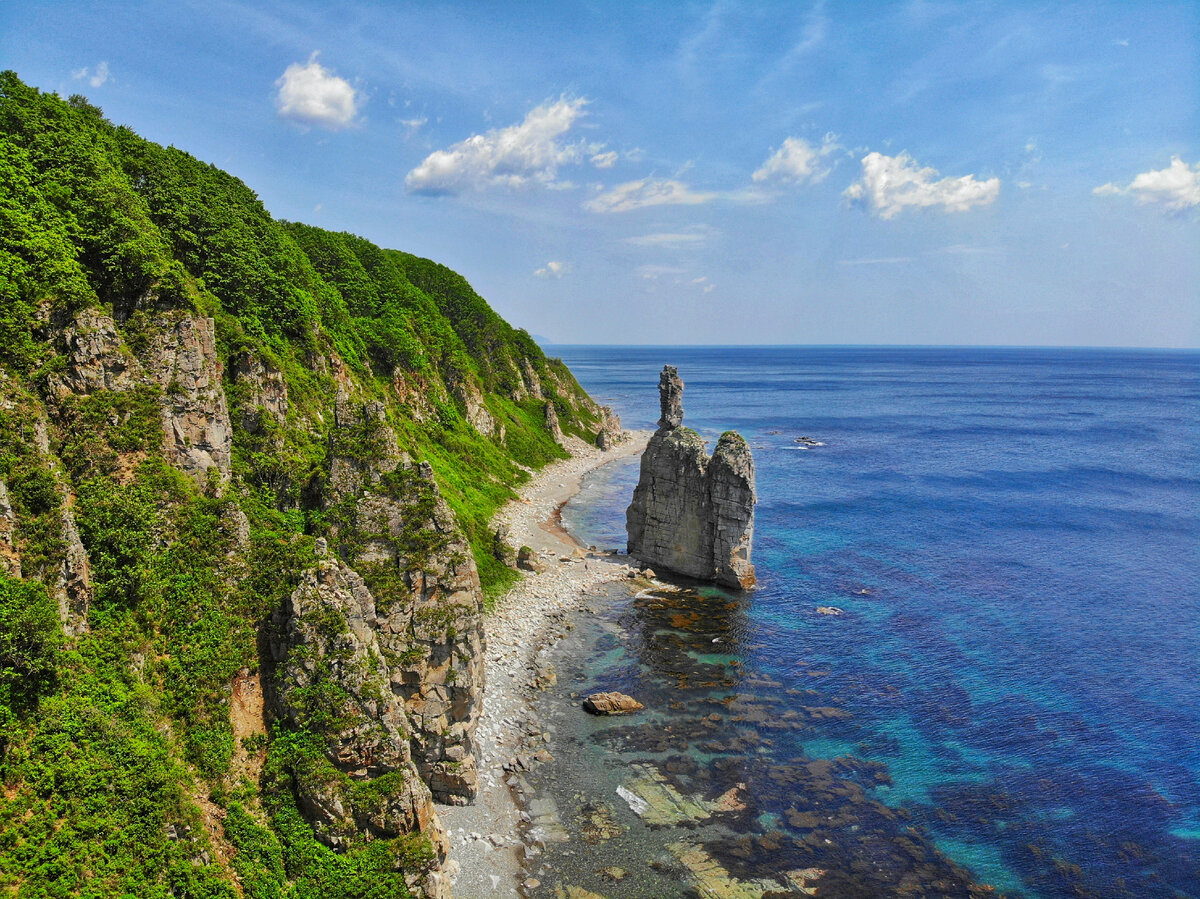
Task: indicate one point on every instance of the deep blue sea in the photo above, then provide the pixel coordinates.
(1013, 684)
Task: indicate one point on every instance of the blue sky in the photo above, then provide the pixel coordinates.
(899, 173)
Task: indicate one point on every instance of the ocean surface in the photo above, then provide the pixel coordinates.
(1004, 687)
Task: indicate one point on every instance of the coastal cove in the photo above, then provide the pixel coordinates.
(324, 574)
(1004, 544)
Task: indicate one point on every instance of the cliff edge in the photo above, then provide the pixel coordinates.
(691, 513)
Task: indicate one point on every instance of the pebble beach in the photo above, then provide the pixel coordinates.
(497, 841)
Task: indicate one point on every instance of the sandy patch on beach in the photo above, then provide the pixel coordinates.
(495, 840)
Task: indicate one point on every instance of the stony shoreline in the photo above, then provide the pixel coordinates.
(495, 842)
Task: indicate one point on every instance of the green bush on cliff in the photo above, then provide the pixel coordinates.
(30, 642)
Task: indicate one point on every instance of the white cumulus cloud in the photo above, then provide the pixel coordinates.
(553, 270)
(1177, 187)
(891, 183)
(798, 161)
(528, 153)
(647, 192)
(98, 76)
(605, 160)
(312, 95)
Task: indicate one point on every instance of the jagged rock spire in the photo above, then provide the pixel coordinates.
(693, 514)
(670, 398)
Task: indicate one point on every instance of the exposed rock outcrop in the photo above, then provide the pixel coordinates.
(332, 676)
(533, 384)
(552, 424)
(362, 448)
(434, 639)
(691, 513)
(611, 704)
(73, 589)
(96, 357)
(181, 359)
(610, 429)
(430, 622)
(10, 557)
(265, 391)
(196, 429)
(468, 395)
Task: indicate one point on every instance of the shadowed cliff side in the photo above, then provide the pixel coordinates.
(691, 513)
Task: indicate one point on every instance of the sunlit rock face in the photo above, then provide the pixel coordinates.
(691, 513)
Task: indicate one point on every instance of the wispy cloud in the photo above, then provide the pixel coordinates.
(798, 161)
(693, 236)
(881, 260)
(519, 155)
(311, 94)
(95, 77)
(889, 184)
(604, 160)
(553, 270)
(812, 35)
(676, 276)
(654, 272)
(962, 249)
(412, 126)
(1177, 187)
(648, 192)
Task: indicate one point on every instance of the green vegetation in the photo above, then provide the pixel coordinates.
(117, 748)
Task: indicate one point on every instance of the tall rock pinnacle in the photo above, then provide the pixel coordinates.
(670, 398)
(693, 514)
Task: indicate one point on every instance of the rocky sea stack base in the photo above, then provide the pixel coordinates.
(691, 513)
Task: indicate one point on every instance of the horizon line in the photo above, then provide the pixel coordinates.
(893, 346)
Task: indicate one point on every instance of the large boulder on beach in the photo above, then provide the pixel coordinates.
(611, 432)
(691, 513)
(611, 704)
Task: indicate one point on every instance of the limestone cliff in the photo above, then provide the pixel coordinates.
(693, 514)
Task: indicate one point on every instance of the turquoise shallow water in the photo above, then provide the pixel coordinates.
(1014, 538)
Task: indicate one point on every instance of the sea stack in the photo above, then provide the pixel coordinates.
(691, 513)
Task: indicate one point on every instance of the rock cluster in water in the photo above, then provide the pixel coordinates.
(691, 513)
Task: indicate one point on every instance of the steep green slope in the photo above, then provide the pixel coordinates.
(191, 394)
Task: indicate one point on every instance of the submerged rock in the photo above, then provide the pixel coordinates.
(692, 513)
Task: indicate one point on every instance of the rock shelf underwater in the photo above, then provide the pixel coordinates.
(684, 798)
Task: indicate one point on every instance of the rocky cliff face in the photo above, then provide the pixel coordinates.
(196, 430)
(332, 677)
(181, 361)
(398, 529)
(434, 639)
(693, 514)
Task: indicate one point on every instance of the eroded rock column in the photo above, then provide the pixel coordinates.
(692, 514)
